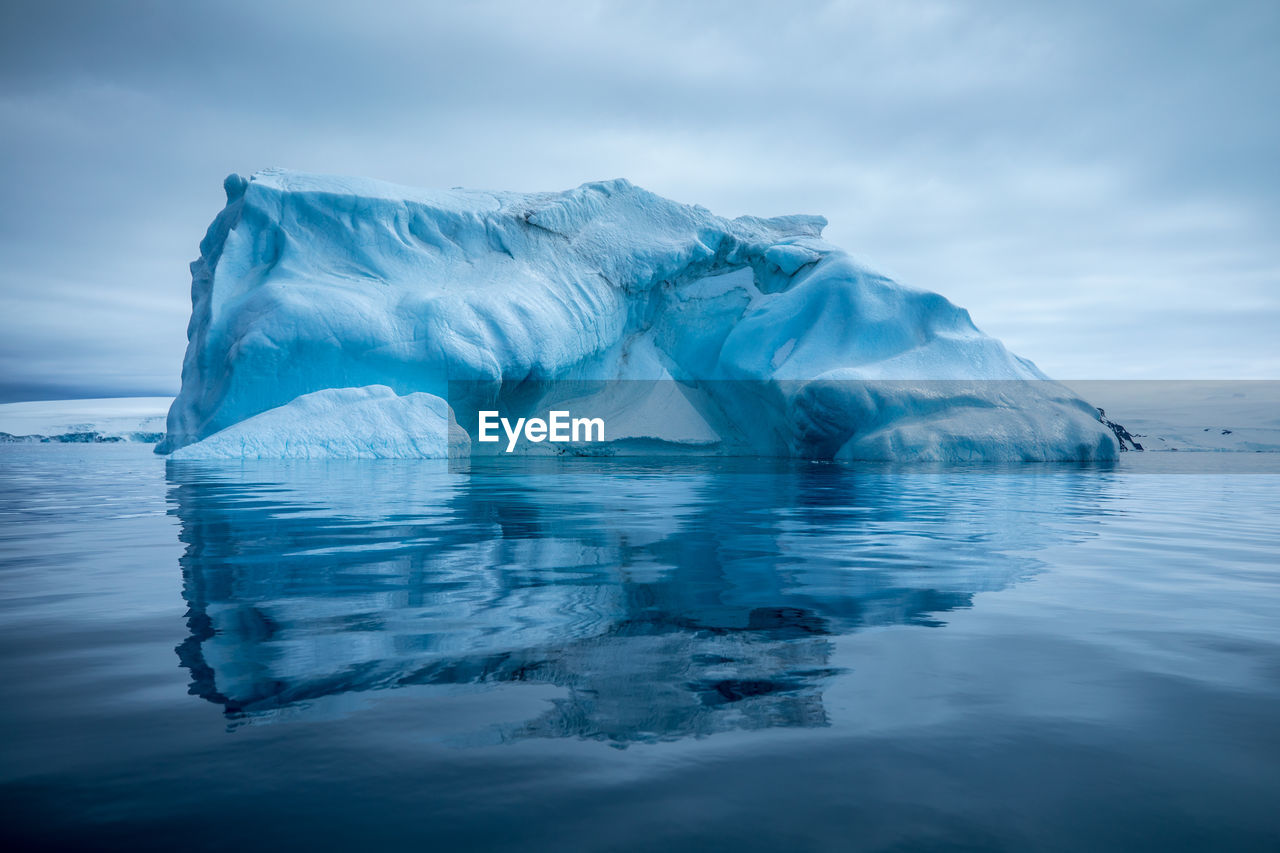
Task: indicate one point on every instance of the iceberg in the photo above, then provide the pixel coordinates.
(347, 317)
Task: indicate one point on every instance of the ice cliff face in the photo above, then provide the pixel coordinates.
(762, 338)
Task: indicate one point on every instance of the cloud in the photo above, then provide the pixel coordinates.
(1097, 184)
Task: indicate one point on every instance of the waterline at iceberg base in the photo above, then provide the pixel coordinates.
(338, 317)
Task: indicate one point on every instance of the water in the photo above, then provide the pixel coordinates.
(645, 656)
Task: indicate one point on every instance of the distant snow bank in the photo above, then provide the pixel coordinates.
(105, 419)
(1188, 415)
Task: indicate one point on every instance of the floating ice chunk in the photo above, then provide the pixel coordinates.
(352, 423)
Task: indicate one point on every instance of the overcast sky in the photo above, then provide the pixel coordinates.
(1099, 183)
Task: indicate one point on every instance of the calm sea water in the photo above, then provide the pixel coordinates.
(794, 657)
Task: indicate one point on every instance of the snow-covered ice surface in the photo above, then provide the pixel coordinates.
(105, 419)
(770, 334)
(1209, 415)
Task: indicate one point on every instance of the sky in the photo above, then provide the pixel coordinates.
(1098, 183)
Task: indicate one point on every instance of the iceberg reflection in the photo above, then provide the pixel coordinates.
(664, 602)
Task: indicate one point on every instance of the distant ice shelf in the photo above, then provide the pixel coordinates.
(1220, 415)
(102, 420)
